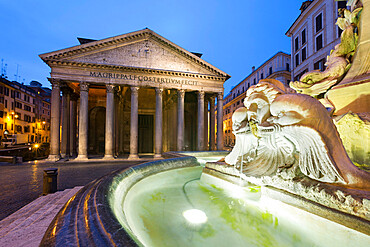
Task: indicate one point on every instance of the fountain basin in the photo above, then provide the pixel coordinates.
(147, 205)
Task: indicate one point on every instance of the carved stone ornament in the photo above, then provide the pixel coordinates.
(337, 63)
(159, 90)
(201, 95)
(110, 88)
(84, 86)
(281, 132)
(181, 93)
(220, 96)
(55, 83)
(135, 90)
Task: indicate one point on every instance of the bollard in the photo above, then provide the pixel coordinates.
(50, 181)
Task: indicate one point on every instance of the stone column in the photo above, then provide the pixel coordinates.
(55, 121)
(220, 103)
(134, 128)
(65, 149)
(212, 123)
(200, 133)
(158, 122)
(73, 125)
(180, 120)
(109, 122)
(83, 121)
(205, 123)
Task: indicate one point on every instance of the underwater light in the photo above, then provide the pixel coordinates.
(195, 216)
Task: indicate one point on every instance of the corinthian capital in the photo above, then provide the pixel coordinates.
(181, 93)
(135, 90)
(110, 88)
(158, 90)
(84, 86)
(55, 83)
(201, 95)
(220, 96)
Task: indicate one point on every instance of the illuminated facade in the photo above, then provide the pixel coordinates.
(131, 94)
(24, 113)
(277, 67)
(313, 34)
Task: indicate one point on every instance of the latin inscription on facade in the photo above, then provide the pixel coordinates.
(154, 79)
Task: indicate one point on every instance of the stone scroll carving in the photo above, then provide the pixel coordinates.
(280, 132)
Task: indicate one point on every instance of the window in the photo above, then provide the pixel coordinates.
(6, 91)
(6, 104)
(1, 114)
(18, 95)
(261, 75)
(319, 65)
(27, 108)
(1, 89)
(254, 81)
(304, 54)
(296, 59)
(303, 36)
(270, 70)
(296, 42)
(18, 105)
(318, 22)
(287, 67)
(26, 129)
(319, 42)
(1, 126)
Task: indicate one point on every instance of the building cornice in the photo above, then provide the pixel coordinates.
(129, 37)
(118, 68)
(302, 16)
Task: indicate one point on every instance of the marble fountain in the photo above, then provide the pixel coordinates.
(288, 181)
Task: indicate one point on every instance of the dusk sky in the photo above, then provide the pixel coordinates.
(233, 35)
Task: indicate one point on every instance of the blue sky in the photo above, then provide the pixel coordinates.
(233, 35)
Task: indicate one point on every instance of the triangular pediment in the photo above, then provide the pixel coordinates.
(142, 49)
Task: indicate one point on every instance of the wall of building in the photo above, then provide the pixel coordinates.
(24, 113)
(313, 35)
(277, 67)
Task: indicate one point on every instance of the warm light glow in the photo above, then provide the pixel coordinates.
(195, 216)
(16, 116)
(36, 145)
(43, 122)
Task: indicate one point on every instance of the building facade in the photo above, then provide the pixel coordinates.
(130, 94)
(24, 114)
(277, 67)
(313, 35)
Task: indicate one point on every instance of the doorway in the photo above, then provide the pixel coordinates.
(146, 129)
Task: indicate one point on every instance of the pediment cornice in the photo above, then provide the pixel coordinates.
(117, 68)
(60, 56)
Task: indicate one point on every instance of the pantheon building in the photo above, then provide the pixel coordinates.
(136, 93)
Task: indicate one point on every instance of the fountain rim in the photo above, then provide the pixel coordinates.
(88, 217)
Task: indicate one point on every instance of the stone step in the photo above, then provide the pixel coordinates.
(28, 225)
(18, 217)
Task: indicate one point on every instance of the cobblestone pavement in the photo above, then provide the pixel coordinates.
(22, 183)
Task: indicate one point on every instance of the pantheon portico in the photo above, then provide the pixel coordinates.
(130, 94)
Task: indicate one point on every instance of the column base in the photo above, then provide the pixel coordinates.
(53, 157)
(133, 157)
(108, 157)
(157, 156)
(82, 157)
